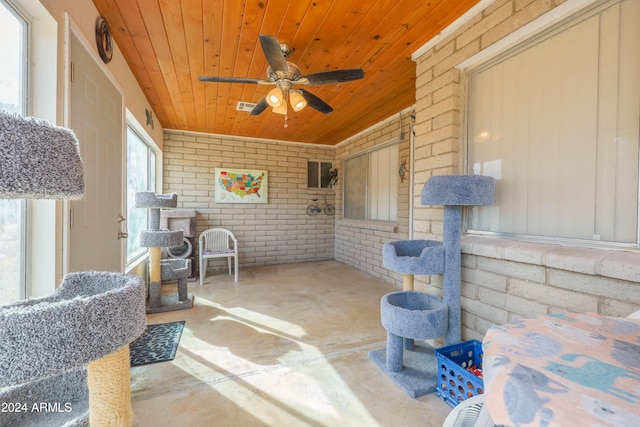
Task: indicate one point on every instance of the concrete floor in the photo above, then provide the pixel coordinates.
(286, 346)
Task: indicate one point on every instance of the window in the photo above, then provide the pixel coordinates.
(556, 122)
(141, 161)
(318, 174)
(371, 185)
(13, 81)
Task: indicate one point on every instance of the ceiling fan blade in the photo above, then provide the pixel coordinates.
(217, 79)
(334, 76)
(315, 102)
(273, 53)
(260, 107)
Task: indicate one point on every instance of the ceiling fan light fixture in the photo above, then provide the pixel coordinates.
(281, 109)
(275, 97)
(297, 101)
(286, 76)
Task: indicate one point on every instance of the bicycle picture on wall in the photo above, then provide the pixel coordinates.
(314, 209)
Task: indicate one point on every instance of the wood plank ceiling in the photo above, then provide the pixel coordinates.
(169, 43)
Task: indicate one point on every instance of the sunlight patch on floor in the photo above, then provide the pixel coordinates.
(283, 385)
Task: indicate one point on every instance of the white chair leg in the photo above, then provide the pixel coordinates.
(229, 264)
(236, 266)
(202, 270)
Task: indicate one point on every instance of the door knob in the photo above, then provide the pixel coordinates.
(120, 218)
(122, 235)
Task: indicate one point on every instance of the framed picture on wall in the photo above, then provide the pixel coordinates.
(241, 186)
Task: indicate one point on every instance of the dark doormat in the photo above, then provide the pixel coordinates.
(158, 343)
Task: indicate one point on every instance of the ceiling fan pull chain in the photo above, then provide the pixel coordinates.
(286, 109)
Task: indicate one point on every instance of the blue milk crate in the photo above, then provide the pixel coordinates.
(455, 383)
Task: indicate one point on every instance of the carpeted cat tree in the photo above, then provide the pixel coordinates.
(170, 269)
(64, 358)
(410, 315)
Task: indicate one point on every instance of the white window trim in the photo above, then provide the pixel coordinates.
(42, 238)
(532, 29)
(134, 124)
(392, 141)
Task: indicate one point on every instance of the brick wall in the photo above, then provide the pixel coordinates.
(502, 279)
(359, 243)
(273, 233)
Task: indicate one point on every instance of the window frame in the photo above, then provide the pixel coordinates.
(319, 164)
(393, 216)
(542, 34)
(23, 109)
(26, 52)
(151, 164)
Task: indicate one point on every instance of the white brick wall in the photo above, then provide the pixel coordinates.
(273, 233)
(521, 279)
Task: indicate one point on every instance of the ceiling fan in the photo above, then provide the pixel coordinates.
(286, 76)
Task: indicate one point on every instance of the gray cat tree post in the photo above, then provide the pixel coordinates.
(171, 269)
(409, 315)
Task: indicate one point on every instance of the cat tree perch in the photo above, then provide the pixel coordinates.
(409, 315)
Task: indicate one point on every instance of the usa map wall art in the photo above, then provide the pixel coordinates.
(241, 186)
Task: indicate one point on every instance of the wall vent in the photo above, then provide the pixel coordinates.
(245, 106)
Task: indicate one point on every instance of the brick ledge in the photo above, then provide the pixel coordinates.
(390, 227)
(616, 264)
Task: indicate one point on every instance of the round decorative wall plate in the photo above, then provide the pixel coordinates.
(103, 40)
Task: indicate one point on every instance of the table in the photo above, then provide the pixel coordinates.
(563, 370)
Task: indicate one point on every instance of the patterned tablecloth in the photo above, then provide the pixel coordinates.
(563, 370)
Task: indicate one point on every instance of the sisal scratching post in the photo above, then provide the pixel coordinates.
(155, 282)
(110, 390)
(154, 264)
(407, 282)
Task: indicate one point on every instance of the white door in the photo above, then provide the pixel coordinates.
(96, 116)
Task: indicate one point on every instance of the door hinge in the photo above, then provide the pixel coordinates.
(72, 72)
